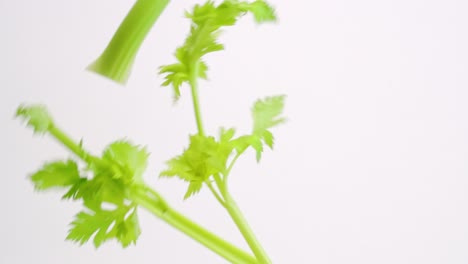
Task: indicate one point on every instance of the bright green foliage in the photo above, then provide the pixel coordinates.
(261, 10)
(207, 20)
(102, 188)
(204, 157)
(121, 166)
(76, 190)
(36, 117)
(129, 160)
(121, 223)
(226, 135)
(110, 188)
(266, 114)
(56, 174)
(112, 178)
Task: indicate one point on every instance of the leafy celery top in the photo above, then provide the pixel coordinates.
(111, 186)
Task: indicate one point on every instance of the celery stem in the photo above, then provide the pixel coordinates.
(117, 59)
(245, 229)
(63, 138)
(196, 104)
(196, 232)
(229, 202)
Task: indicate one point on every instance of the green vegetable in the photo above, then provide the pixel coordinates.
(116, 181)
(56, 175)
(206, 160)
(207, 20)
(117, 59)
(111, 186)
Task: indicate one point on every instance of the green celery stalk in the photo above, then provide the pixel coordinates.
(198, 233)
(117, 59)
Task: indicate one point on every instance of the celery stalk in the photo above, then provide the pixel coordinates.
(117, 59)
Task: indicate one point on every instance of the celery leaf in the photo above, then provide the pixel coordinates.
(207, 21)
(204, 157)
(131, 160)
(56, 174)
(121, 224)
(36, 117)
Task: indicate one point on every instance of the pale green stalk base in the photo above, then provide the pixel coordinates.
(117, 59)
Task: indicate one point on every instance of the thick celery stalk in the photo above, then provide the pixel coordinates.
(117, 59)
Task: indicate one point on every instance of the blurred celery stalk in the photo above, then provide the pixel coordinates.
(117, 59)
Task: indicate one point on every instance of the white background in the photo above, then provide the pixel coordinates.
(372, 166)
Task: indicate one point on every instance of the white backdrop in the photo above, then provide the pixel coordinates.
(372, 166)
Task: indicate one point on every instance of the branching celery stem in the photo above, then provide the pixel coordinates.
(117, 59)
(215, 193)
(196, 232)
(149, 199)
(228, 201)
(239, 219)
